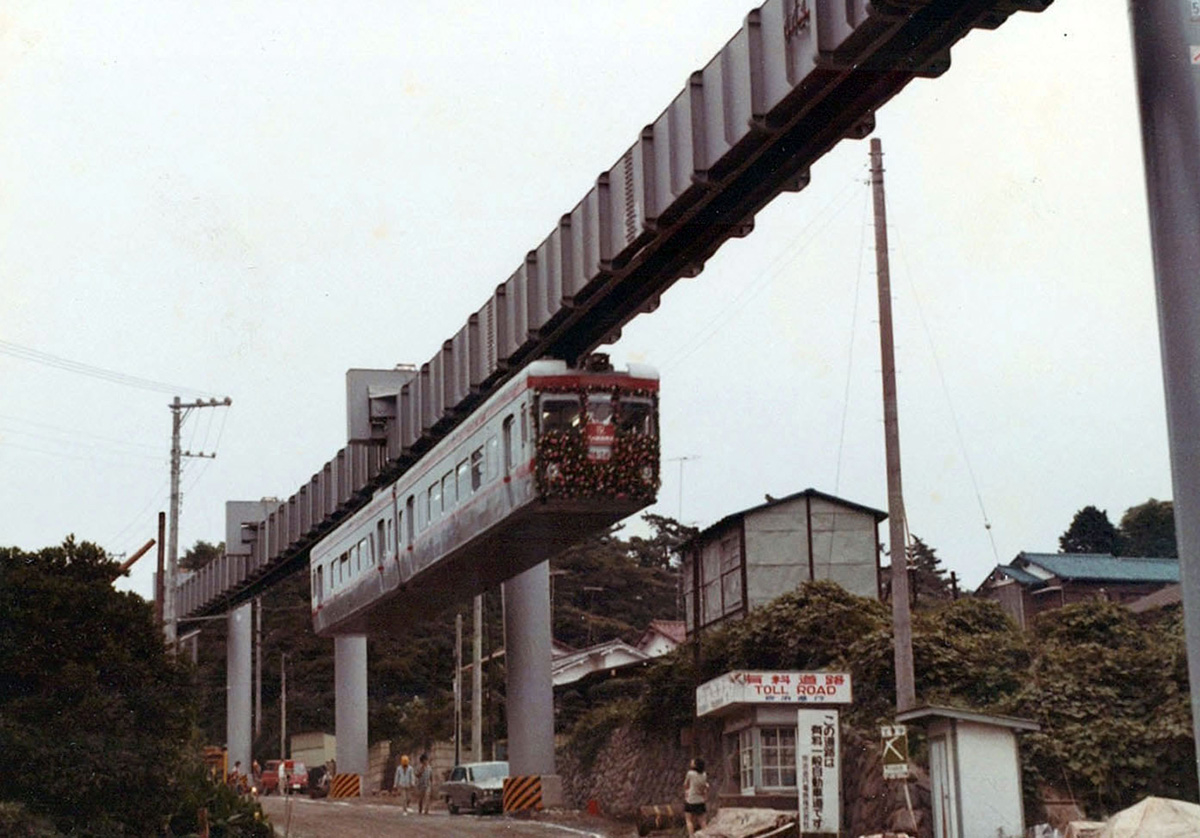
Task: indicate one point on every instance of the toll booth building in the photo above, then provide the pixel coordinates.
(751, 557)
(765, 737)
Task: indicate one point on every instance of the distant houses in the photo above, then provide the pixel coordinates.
(1034, 583)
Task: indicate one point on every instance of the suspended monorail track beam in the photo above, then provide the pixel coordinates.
(798, 77)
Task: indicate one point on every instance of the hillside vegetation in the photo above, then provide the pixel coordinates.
(1109, 692)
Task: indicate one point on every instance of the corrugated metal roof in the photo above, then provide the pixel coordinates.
(1022, 576)
(1103, 567)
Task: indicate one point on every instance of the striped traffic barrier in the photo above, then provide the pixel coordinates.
(345, 785)
(522, 793)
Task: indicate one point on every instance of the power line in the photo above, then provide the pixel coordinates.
(36, 356)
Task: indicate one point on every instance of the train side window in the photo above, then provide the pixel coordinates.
(366, 553)
(508, 444)
(493, 458)
(559, 412)
(463, 478)
(476, 469)
(524, 427)
(435, 501)
(380, 542)
(409, 506)
(318, 593)
(449, 498)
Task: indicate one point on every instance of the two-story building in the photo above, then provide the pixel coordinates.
(751, 557)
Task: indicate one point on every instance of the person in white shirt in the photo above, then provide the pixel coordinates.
(695, 793)
(402, 783)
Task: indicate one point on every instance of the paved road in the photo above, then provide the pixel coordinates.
(300, 817)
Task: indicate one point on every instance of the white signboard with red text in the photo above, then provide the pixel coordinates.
(818, 773)
(739, 688)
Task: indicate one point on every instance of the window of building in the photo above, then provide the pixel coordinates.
(745, 751)
(777, 754)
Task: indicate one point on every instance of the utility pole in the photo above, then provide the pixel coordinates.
(477, 683)
(257, 666)
(159, 586)
(901, 616)
(179, 413)
(458, 629)
(283, 705)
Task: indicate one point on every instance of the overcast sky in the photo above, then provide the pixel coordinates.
(249, 198)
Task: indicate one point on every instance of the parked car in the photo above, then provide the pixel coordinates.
(476, 786)
(288, 775)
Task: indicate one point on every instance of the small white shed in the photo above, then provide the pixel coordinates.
(975, 771)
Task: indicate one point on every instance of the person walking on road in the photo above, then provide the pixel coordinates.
(695, 793)
(424, 780)
(402, 783)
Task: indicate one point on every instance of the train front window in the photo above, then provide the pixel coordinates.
(559, 412)
(600, 407)
(636, 414)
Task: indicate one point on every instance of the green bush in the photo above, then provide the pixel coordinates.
(230, 815)
(1112, 701)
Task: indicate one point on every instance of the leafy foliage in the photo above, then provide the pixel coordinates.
(228, 813)
(200, 554)
(1149, 530)
(1091, 532)
(92, 709)
(1111, 698)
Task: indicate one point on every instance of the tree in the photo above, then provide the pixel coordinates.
(1091, 532)
(201, 554)
(95, 717)
(925, 572)
(1149, 529)
(662, 549)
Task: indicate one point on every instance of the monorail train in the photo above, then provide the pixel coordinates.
(555, 454)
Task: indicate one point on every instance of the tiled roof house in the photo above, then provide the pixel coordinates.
(1037, 582)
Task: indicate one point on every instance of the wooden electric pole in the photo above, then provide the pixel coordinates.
(901, 616)
(179, 412)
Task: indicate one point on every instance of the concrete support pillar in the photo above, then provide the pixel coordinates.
(530, 700)
(350, 712)
(238, 687)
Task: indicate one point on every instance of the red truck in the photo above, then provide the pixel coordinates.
(288, 775)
